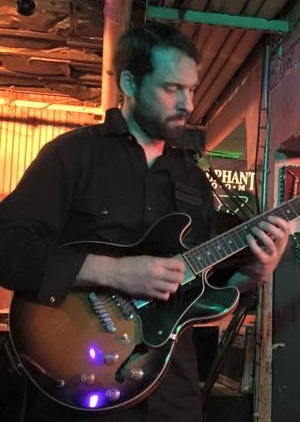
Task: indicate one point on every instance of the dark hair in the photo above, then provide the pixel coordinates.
(134, 48)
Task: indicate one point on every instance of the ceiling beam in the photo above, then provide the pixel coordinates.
(220, 19)
(73, 42)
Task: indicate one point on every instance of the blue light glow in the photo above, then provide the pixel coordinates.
(95, 354)
(93, 400)
(92, 353)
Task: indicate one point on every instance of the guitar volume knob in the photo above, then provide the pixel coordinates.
(125, 339)
(111, 358)
(113, 394)
(60, 383)
(88, 378)
(136, 374)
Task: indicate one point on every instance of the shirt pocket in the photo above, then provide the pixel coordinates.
(188, 194)
(106, 209)
(94, 206)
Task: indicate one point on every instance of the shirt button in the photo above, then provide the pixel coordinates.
(52, 299)
(104, 212)
(149, 208)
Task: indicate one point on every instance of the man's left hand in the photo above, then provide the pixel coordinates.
(267, 242)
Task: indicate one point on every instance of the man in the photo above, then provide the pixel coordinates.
(111, 182)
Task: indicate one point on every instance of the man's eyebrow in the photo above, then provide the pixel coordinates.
(180, 85)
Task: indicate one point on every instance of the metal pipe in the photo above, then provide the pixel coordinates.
(116, 20)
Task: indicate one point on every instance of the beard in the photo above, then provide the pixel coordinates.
(153, 126)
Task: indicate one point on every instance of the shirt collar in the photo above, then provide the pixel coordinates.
(114, 123)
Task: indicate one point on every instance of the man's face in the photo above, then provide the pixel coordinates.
(164, 98)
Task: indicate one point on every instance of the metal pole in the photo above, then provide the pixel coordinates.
(266, 85)
(263, 388)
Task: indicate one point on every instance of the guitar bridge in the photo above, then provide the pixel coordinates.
(124, 305)
(101, 312)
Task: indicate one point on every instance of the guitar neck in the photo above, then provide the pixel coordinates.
(227, 244)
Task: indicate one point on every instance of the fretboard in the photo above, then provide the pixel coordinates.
(227, 244)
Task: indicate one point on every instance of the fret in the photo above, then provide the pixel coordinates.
(226, 244)
(290, 213)
(236, 240)
(217, 251)
(239, 239)
(289, 210)
(196, 260)
(286, 212)
(213, 255)
(246, 229)
(209, 256)
(228, 248)
(296, 209)
(220, 248)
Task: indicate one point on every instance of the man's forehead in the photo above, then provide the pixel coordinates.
(163, 54)
(170, 63)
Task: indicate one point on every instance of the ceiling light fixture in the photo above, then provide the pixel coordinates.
(26, 7)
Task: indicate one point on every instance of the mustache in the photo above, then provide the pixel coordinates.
(178, 116)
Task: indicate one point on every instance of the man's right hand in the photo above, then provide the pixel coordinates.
(139, 276)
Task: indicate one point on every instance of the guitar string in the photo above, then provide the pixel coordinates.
(234, 241)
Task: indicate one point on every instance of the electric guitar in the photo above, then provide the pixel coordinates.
(100, 350)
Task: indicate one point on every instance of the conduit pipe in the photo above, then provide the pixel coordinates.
(117, 15)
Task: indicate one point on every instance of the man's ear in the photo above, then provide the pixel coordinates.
(127, 83)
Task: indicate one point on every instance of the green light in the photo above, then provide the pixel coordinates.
(224, 154)
(220, 19)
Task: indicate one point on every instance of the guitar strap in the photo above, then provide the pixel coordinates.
(195, 201)
(239, 204)
(186, 193)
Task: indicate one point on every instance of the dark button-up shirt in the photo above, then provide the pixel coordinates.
(91, 184)
(94, 184)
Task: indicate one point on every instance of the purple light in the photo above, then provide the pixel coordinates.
(95, 354)
(92, 353)
(93, 401)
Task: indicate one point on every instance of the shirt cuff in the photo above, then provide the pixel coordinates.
(60, 275)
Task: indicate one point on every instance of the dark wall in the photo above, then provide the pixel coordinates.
(286, 338)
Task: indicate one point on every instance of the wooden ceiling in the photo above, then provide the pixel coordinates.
(59, 49)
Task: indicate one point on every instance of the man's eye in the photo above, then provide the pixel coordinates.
(171, 89)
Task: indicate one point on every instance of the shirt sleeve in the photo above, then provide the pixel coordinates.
(32, 262)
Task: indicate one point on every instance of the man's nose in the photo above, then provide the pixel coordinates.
(185, 101)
